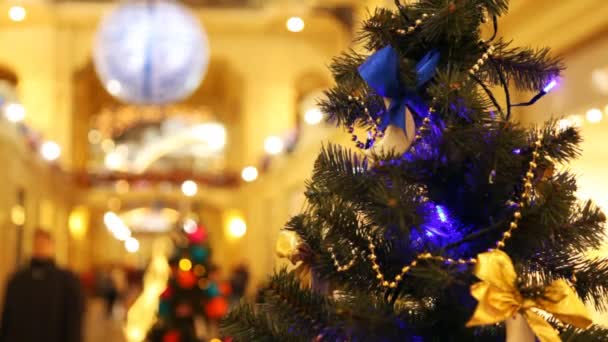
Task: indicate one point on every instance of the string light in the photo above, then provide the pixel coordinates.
(189, 188)
(594, 115)
(550, 86)
(17, 13)
(273, 145)
(249, 174)
(236, 227)
(190, 226)
(295, 24)
(313, 116)
(50, 150)
(132, 245)
(185, 265)
(114, 87)
(14, 112)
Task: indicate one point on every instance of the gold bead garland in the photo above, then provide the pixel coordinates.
(347, 266)
(417, 24)
(525, 196)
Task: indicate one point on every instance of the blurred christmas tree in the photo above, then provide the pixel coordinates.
(193, 289)
(455, 224)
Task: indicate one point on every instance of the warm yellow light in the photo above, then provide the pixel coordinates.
(295, 24)
(114, 204)
(113, 161)
(131, 245)
(237, 228)
(50, 150)
(313, 116)
(18, 215)
(594, 115)
(114, 87)
(94, 137)
(189, 188)
(249, 174)
(122, 186)
(107, 145)
(273, 145)
(17, 13)
(78, 222)
(185, 265)
(14, 112)
(215, 340)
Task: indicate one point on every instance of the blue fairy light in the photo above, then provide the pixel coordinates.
(552, 84)
(441, 213)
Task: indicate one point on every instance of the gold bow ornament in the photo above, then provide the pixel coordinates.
(290, 246)
(500, 300)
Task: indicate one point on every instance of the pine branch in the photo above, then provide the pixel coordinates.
(529, 69)
(595, 333)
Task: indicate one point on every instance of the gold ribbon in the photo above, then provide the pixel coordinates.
(499, 299)
(289, 246)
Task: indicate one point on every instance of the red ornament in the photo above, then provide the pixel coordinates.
(216, 308)
(172, 336)
(198, 236)
(225, 289)
(183, 310)
(186, 280)
(167, 294)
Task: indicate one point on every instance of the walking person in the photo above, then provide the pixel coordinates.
(43, 302)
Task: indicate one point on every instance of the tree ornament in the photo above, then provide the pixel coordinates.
(183, 310)
(216, 308)
(290, 246)
(395, 139)
(499, 299)
(151, 52)
(172, 336)
(198, 236)
(199, 254)
(186, 279)
(518, 330)
(167, 293)
(381, 72)
(164, 308)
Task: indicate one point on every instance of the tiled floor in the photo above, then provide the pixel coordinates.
(100, 328)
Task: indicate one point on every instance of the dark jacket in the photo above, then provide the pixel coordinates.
(42, 303)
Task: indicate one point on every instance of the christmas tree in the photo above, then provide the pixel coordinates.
(455, 223)
(193, 289)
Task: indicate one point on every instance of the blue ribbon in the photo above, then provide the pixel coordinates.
(381, 72)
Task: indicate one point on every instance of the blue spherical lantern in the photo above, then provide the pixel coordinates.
(213, 290)
(151, 52)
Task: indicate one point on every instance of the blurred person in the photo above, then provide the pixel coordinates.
(42, 301)
(108, 290)
(238, 282)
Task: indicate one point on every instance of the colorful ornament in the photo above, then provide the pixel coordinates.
(212, 290)
(167, 293)
(499, 299)
(381, 72)
(172, 336)
(164, 308)
(198, 236)
(216, 308)
(167, 48)
(183, 310)
(186, 280)
(199, 254)
(225, 289)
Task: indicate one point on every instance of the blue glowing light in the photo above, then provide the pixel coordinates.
(550, 86)
(441, 214)
(517, 151)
